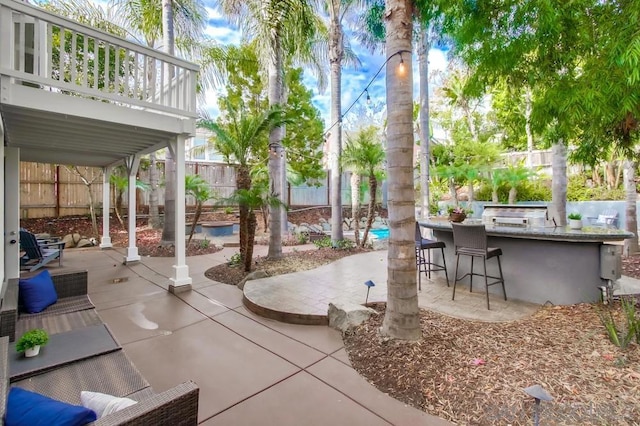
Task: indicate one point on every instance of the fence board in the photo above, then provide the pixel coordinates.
(38, 196)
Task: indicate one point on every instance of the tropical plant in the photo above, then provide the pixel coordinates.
(575, 216)
(623, 333)
(120, 181)
(236, 137)
(252, 199)
(365, 155)
(31, 339)
(200, 190)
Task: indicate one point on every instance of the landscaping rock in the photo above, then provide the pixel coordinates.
(343, 315)
(252, 276)
(84, 242)
(71, 240)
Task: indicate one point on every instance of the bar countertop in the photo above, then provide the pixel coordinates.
(560, 233)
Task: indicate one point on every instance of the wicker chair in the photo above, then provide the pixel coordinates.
(71, 289)
(471, 240)
(425, 263)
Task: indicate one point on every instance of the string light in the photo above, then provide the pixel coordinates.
(401, 70)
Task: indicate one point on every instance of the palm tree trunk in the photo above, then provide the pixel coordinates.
(154, 179)
(559, 182)
(275, 151)
(251, 236)
(336, 54)
(527, 126)
(118, 208)
(243, 181)
(631, 221)
(402, 318)
(513, 193)
(355, 205)
(453, 192)
(425, 131)
(196, 217)
(169, 229)
(373, 188)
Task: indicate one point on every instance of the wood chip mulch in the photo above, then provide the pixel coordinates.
(474, 373)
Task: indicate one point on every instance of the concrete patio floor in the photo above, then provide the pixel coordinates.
(250, 370)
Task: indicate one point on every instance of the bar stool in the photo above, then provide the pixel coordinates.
(424, 263)
(471, 240)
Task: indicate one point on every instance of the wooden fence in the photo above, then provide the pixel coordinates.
(49, 190)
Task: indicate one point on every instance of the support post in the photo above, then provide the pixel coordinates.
(105, 242)
(181, 281)
(11, 212)
(132, 164)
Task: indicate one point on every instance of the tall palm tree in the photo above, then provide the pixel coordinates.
(365, 155)
(402, 319)
(237, 141)
(280, 28)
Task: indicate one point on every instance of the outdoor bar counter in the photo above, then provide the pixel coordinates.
(540, 264)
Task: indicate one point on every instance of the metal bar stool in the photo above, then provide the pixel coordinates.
(471, 240)
(424, 263)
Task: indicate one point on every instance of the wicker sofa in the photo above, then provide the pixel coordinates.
(109, 372)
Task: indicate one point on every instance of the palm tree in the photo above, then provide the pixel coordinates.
(366, 156)
(199, 189)
(280, 29)
(120, 182)
(402, 317)
(252, 199)
(237, 140)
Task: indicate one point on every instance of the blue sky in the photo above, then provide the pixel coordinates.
(353, 81)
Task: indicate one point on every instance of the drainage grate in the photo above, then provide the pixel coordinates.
(119, 280)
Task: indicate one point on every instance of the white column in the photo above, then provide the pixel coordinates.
(181, 281)
(2, 212)
(132, 164)
(105, 242)
(12, 213)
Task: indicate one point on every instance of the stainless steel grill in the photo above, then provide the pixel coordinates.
(514, 215)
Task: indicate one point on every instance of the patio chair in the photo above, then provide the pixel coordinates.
(425, 263)
(38, 254)
(471, 240)
(608, 219)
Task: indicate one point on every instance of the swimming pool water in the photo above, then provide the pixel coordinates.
(381, 234)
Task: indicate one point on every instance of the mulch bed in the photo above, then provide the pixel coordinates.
(472, 372)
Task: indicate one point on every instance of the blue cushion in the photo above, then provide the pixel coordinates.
(37, 292)
(30, 408)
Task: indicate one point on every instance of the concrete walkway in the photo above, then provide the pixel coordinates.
(303, 297)
(250, 370)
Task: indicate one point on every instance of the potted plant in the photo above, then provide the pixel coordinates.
(31, 341)
(457, 213)
(575, 221)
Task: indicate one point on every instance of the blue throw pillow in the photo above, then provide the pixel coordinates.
(37, 292)
(30, 408)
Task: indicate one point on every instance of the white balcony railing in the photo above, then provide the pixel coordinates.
(46, 51)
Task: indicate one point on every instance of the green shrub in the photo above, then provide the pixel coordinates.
(533, 190)
(621, 334)
(578, 191)
(340, 244)
(236, 260)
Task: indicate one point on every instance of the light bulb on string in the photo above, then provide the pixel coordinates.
(401, 67)
(368, 97)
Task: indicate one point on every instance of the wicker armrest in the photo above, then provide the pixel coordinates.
(71, 284)
(4, 374)
(177, 406)
(9, 310)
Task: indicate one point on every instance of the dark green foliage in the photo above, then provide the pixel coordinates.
(577, 190)
(31, 339)
(534, 190)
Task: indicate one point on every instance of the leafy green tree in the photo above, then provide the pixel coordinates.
(199, 189)
(365, 155)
